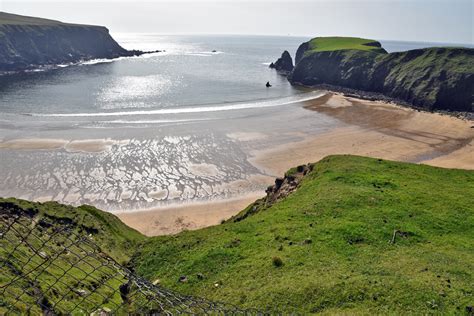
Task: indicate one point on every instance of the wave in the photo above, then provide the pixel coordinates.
(97, 61)
(152, 121)
(235, 106)
(111, 60)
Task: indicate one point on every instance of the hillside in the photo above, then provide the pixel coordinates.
(15, 19)
(114, 237)
(28, 42)
(358, 236)
(347, 235)
(438, 78)
(61, 260)
(49, 263)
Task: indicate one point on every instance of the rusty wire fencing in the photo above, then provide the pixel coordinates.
(50, 269)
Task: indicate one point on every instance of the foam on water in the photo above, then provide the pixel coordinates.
(235, 106)
(153, 121)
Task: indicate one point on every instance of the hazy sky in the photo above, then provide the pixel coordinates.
(415, 20)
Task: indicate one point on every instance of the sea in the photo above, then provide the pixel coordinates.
(178, 126)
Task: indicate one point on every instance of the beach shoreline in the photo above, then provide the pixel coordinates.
(371, 128)
(380, 129)
(377, 129)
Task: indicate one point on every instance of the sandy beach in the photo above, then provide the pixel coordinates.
(381, 130)
(172, 220)
(370, 128)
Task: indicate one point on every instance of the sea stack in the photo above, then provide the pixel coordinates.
(284, 64)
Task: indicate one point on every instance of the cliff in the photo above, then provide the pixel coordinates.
(437, 78)
(27, 42)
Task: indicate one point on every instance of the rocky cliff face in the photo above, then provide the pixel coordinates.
(27, 42)
(342, 68)
(284, 64)
(432, 78)
(300, 52)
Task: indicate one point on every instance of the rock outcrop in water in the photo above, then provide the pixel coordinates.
(27, 43)
(438, 78)
(284, 64)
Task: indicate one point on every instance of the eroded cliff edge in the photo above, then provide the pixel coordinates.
(28, 42)
(437, 78)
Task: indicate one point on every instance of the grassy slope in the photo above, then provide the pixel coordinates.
(48, 281)
(114, 237)
(322, 44)
(28, 23)
(348, 207)
(15, 19)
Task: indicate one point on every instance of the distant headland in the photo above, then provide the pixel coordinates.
(29, 42)
(436, 78)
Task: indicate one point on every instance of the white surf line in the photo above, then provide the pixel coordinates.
(111, 60)
(89, 62)
(152, 121)
(240, 106)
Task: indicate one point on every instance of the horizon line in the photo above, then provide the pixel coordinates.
(287, 35)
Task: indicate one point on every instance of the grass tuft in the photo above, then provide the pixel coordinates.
(277, 262)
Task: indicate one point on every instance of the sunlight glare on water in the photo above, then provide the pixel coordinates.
(133, 92)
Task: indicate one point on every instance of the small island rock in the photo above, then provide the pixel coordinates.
(284, 64)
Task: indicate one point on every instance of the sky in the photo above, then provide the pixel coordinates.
(444, 21)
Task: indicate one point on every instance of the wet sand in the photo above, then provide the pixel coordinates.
(370, 128)
(380, 130)
(34, 144)
(86, 145)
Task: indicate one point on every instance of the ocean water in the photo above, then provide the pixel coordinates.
(171, 127)
(158, 129)
(188, 75)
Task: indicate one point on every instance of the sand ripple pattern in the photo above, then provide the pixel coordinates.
(130, 174)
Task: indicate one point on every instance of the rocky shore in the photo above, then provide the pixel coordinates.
(380, 97)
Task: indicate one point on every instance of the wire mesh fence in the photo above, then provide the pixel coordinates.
(47, 267)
